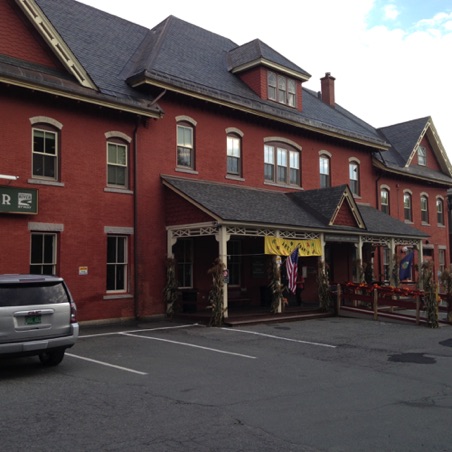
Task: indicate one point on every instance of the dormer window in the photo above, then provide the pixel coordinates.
(421, 156)
(282, 89)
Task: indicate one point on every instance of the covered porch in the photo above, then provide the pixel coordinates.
(210, 221)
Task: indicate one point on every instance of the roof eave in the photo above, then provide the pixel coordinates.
(269, 64)
(401, 172)
(93, 97)
(144, 79)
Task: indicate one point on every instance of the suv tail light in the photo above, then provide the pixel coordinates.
(73, 313)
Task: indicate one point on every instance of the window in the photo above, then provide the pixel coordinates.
(325, 180)
(185, 147)
(45, 153)
(43, 254)
(442, 260)
(287, 160)
(233, 144)
(234, 262)
(116, 263)
(424, 209)
(384, 200)
(117, 164)
(421, 156)
(354, 178)
(386, 262)
(440, 211)
(407, 211)
(183, 252)
(282, 89)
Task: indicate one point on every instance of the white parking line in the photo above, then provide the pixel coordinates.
(136, 331)
(189, 345)
(279, 337)
(106, 364)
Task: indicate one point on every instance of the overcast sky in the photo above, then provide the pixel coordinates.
(391, 58)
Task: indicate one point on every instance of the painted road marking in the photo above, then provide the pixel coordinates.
(140, 330)
(189, 345)
(106, 364)
(279, 337)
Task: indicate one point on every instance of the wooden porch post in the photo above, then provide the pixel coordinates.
(222, 238)
(391, 263)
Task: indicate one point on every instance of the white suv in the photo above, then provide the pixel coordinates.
(37, 317)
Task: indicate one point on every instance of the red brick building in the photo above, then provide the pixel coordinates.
(122, 146)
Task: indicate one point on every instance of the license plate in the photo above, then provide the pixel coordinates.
(32, 319)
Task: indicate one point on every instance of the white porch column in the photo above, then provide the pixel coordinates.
(420, 261)
(170, 242)
(359, 258)
(222, 238)
(391, 262)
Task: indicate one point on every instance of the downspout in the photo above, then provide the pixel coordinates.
(136, 305)
(136, 308)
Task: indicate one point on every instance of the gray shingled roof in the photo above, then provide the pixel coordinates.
(231, 203)
(176, 53)
(403, 138)
(185, 56)
(256, 50)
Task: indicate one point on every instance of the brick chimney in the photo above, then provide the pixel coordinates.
(327, 85)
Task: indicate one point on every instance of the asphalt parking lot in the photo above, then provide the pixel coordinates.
(332, 384)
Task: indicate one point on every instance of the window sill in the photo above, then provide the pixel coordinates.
(425, 224)
(46, 182)
(234, 177)
(274, 184)
(117, 296)
(187, 170)
(123, 191)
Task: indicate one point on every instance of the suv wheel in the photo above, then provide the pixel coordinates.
(52, 357)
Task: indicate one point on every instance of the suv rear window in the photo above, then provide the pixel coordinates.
(33, 294)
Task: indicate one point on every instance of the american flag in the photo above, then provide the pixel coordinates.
(292, 270)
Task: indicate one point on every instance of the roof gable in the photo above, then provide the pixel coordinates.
(405, 139)
(15, 29)
(335, 205)
(51, 36)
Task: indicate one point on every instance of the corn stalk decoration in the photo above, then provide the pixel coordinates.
(446, 280)
(170, 291)
(323, 287)
(430, 296)
(395, 279)
(275, 285)
(216, 293)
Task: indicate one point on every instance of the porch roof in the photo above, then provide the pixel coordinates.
(311, 209)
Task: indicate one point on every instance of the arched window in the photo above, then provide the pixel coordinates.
(45, 148)
(407, 207)
(325, 174)
(384, 200)
(440, 211)
(117, 159)
(422, 156)
(353, 167)
(234, 152)
(282, 163)
(185, 143)
(424, 209)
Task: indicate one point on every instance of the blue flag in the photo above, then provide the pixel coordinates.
(405, 266)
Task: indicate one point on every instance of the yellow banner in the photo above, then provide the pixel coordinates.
(283, 247)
